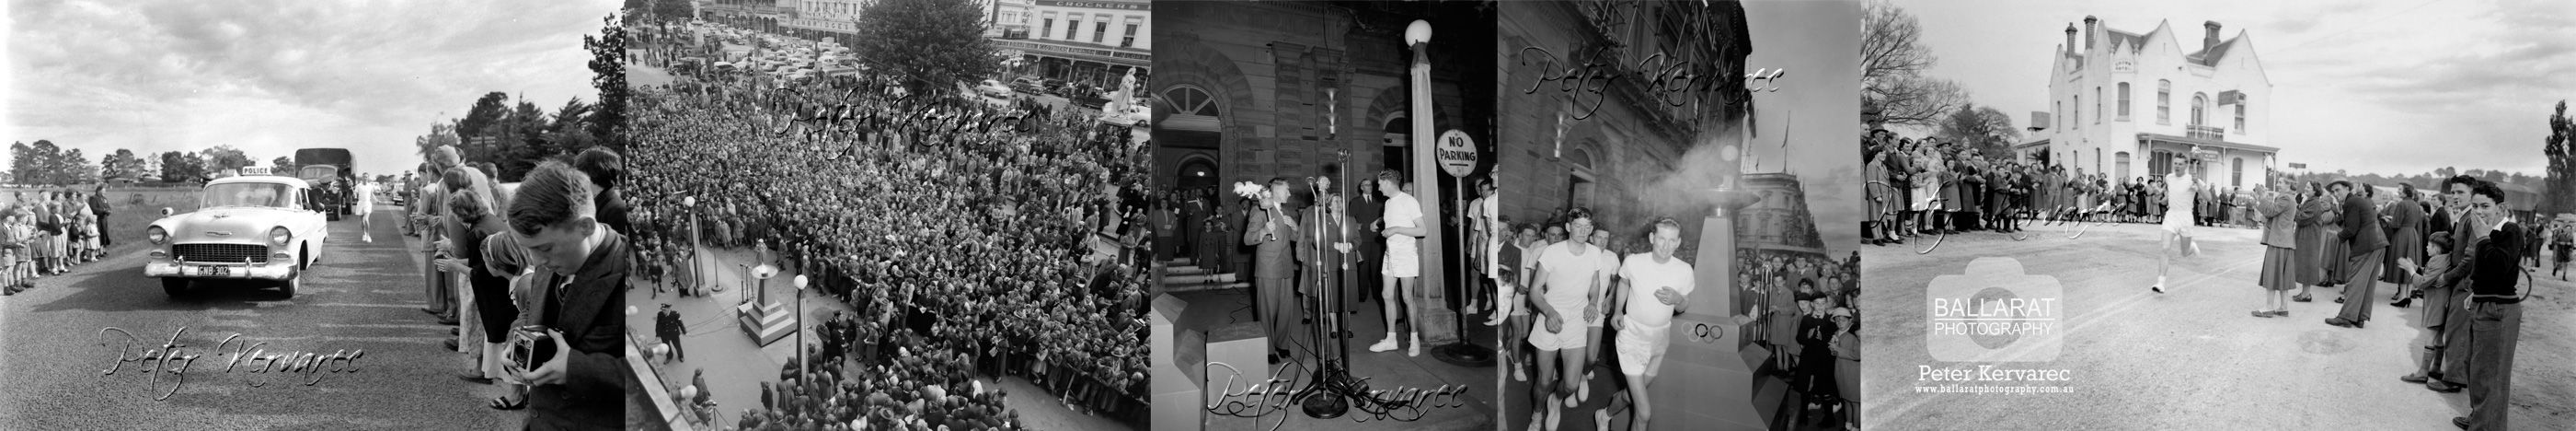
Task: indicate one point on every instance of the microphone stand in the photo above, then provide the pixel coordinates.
(1327, 397)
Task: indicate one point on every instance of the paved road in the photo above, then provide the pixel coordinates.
(2193, 358)
(363, 296)
(1471, 409)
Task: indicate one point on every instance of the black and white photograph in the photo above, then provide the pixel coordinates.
(1323, 163)
(2219, 215)
(893, 214)
(315, 216)
(1666, 167)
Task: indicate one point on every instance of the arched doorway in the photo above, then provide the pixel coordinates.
(1196, 173)
(1398, 148)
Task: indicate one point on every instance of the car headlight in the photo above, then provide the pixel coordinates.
(157, 235)
(279, 235)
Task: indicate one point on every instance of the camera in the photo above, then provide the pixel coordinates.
(530, 347)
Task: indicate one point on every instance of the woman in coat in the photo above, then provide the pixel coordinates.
(2280, 212)
(1880, 191)
(2334, 252)
(2405, 229)
(2311, 235)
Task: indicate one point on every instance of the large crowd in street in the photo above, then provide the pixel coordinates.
(969, 238)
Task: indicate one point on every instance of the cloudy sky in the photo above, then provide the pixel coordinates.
(269, 77)
(1814, 111)
(2362, 85)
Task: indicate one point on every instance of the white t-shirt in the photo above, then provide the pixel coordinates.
(1480, 216)
(2178, 194)
(366, 192)
(1609, 265)
(1644, 276)
(1401, 210)
(1570, 277)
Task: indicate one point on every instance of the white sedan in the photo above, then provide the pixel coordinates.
(250, 227)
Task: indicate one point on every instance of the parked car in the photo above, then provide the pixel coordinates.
(994, 89)
(1028, 85)
(250, 227)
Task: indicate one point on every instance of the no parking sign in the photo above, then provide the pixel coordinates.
(1456, 152)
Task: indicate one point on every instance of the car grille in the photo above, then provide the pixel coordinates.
(221, 253)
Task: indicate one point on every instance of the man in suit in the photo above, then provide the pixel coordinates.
(2364, 242)
(2495, 309)
(584, 271)
(667, 326)
(1366, 211)
(1272, 231)
(429, 203)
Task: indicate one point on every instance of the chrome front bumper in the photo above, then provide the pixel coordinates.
(222, 271)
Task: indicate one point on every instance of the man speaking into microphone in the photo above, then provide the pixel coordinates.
(1272, 230)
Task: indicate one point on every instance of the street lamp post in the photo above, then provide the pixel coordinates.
(697, 275)
(804, 366)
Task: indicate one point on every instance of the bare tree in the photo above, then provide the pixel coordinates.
(1916, 100)
(1890, 43)
(1892, 60)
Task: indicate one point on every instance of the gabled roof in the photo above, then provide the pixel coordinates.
(2210, 57)
(2123, 39)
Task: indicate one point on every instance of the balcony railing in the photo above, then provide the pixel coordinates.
(2213, 133)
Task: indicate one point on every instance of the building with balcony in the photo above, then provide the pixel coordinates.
(2130, 104)
(1011, 19)
(1084, 41)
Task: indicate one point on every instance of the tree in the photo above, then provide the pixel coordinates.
(929, 43)
(2559, 192)
(181, 167)
(22, 163)
(1983, 128)
(439, 135)
(571, 115)
(519, 141)
(76, 168)
(1893, 59)
(121, 164)
(47, 164)
(673, 10)
(608, 75)
(480, 122)
(224, 158)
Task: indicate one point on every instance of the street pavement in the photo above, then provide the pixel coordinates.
(2192, 358)
(361, 296)
(1389, 371)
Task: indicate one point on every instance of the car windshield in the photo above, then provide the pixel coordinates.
(248, 195)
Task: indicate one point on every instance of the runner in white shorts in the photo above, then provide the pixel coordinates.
(1657, 286)
(1569, 274)
(2177, 222)
(1597, 320)
(366, 197)
(1404, 222)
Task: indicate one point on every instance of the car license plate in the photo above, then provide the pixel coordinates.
(213, 271)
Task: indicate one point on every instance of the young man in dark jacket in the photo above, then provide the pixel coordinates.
(2495, 313)
(584, 277)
